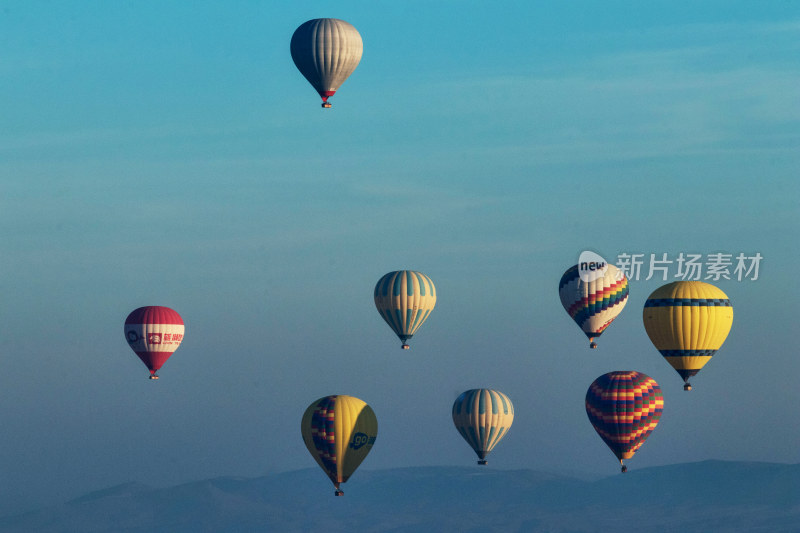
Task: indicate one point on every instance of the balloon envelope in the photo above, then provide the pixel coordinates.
(483, 417)
(624, 408)
(593, 305)
(339, 432)
(326, 51)
(154, 333)
(687, 321)
(405, 299)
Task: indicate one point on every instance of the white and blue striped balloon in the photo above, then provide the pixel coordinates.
(483, 417)
(405, 299)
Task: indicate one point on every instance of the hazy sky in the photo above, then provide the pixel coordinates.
(162, 153)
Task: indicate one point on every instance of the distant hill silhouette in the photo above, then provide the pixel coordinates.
(710, 496)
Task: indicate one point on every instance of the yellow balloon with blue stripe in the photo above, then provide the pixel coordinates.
(483, 417)
(339, 432)
(405, 299)
(688, 321)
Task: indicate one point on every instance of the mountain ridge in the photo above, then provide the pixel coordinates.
(725, 496)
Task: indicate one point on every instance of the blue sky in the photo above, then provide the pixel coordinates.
(160, 154)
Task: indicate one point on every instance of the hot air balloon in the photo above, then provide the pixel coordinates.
(339, 432)
(154, 332)
(624, 408)
(687, 321)
(326, 52)
(404, 299)
(593, 304)
(483, 417)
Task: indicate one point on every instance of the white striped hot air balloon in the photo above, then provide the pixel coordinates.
(593, 304)
(405, 299)
(483, 417)
(326, 52)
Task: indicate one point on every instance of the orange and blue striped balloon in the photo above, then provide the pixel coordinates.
(624, 408)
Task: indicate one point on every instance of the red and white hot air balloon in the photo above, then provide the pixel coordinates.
(154, 332)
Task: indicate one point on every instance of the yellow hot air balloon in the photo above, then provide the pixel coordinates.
(483, 417)
(688, 321)
(405, 299)
(339, 432)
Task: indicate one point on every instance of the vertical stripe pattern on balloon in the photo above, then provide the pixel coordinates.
(405, 299)
(687, 322)
(483, 417)
(326, 52)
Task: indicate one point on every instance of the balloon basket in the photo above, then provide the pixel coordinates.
(482, 462)
(153, 377)
(687, 386)
(405, 347)
(326, 105)
(338, 493)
